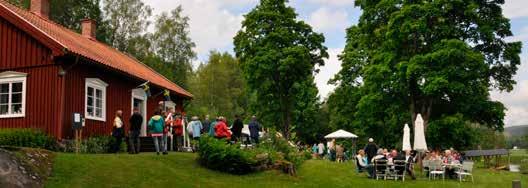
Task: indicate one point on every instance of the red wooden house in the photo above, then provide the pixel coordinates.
(48, 72)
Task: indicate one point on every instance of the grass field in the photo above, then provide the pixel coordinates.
(182, 170)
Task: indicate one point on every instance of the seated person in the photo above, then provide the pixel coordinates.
(361, 160)
(370, 168)
(409, 160)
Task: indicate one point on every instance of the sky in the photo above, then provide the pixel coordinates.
(214, 23)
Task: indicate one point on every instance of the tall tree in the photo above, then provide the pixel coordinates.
(128, 21)
(278, 53)
(219, 87)
(172, 44)
(437, 58)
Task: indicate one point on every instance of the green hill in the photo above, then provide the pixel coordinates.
(519, 130)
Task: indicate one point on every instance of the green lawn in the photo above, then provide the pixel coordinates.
(181, 170)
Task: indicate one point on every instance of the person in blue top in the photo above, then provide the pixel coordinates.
(212, 127)
(196, 127)
(254, 129)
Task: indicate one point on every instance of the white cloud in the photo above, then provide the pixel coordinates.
(326, 19)
(515, 8)
(516, 101)
(212, 25)
(327, 72)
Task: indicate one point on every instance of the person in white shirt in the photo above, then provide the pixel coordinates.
(117, 131)
(361, 160)
(320, 149)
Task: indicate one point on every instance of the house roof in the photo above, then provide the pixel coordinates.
(62, 41)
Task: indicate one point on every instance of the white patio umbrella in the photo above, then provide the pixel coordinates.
(419, 135)
(406, 138)
(340, 134)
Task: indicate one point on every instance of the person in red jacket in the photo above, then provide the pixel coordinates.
(178, 132)
(221, 130)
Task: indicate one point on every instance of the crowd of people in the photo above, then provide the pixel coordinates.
(366, 158)
(170, 124)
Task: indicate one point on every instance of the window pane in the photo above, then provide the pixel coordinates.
(98, 93)
(90, 91)
(90, 111)
(90, 101)
(98, 112)
(17, 87)
(99, 103)
(16, 98)
(3, 109)
(4, 88)
(16, 108)
(3, 98)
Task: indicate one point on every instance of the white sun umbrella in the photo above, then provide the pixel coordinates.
(419, 135)
(406, 138)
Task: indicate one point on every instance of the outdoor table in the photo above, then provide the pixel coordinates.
(451, 167)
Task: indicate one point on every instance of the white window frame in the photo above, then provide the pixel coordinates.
(11, 77)
(96, 84)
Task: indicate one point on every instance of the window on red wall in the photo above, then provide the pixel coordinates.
(95, 99)
(12, 94)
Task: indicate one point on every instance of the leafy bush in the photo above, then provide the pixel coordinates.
(217, 155)
(289, 153)
(26, 138)
(95, 145)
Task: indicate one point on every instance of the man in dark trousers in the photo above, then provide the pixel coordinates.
(205, 124)
(254, 129)
(370, 149)
(136, 120)
(237, 128)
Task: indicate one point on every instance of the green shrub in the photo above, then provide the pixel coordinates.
(26, 138)
(94, 145)
(289, 153)
(218, 155)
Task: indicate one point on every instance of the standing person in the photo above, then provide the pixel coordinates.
(320, 149)
(237, 128)
(196, 127)
(371, 149)
(136, 120)
(117, 131)
(340, 153)
(206, 123)
(212, 127)
(156, 124)
(254, 130)
(169, 125)
(177, 132)
(314, 151)
(221, 130)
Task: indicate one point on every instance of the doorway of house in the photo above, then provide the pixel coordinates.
(139, 101)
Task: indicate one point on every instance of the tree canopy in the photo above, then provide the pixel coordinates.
(219, 88)
(278, 54)
(437, 58)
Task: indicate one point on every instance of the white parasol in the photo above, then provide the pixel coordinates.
(406, 138)
(419, 135)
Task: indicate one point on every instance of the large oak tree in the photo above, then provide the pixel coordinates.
(439, 58)
(278, 54)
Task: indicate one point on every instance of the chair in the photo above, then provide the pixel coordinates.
(359, 168)
(400, 167)
(426, 166)
(380, 168)
(436, 169)
(466, 170)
